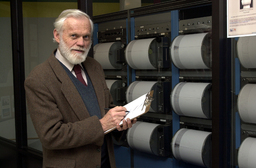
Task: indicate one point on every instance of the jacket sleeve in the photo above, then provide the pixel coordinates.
(56, 124)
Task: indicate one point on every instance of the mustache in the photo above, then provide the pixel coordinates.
(78, 48)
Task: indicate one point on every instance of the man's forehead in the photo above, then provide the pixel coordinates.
(73, 23)
(71, 20)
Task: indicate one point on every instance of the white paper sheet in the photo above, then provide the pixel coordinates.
(246, 51)
(187, 99)
(246, 103)
(101, 54)
(137, 54)
(139, 136)
(137, 89)
(110, 83)
(136, 108)
(186, 51)
(187, 145)
(246, 153)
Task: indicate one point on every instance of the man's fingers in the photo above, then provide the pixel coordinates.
(124, 125)
(119, 128)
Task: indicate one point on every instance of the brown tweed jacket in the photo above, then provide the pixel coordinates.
(70, 137)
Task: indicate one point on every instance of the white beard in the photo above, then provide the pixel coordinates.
(73, 58)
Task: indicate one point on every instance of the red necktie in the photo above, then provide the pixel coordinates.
(77, 69)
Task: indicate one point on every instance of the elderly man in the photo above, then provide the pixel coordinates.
(67, 96)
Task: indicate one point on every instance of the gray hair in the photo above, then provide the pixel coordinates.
(76, 13)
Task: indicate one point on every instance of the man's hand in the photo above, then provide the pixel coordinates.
(126, 124)
(113, 117)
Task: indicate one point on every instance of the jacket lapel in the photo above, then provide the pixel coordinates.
(68, 89)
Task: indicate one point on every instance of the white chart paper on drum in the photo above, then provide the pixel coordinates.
(187, 99)
(187, 145)
(247, 103)
(139, 136)
(137, 54)
(110, 83)
(246, 49)
(101, 54)
(186, 51)
(138, 88)
(247, 153)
